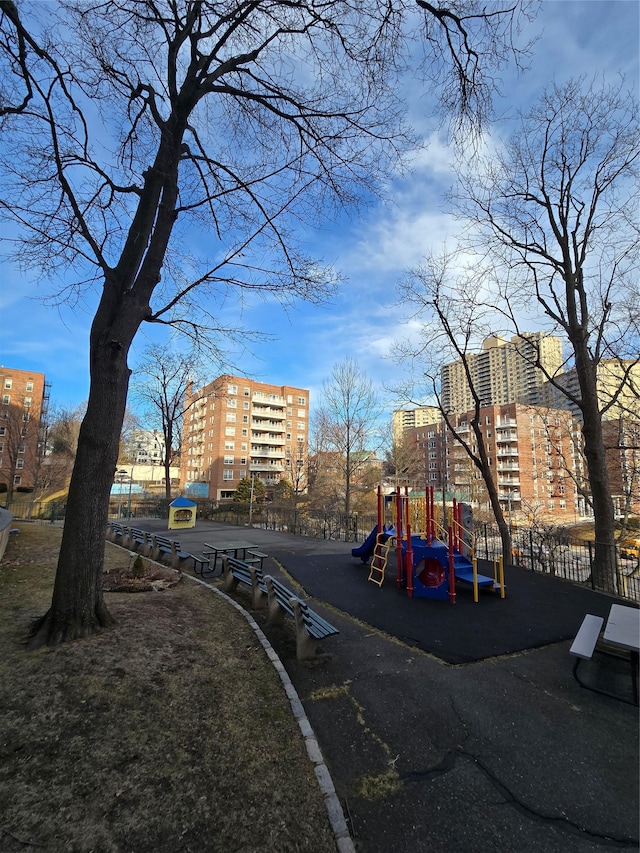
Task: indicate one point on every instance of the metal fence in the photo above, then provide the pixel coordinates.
(317, 524)
(37, 510)
(546, 551)
(562, 555)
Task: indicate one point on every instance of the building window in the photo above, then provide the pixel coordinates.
(302, 413)
(229, 460)
(229, 445)
(300, 425)
(229, 430)
(1, 446)
(29, 386)
(245, 433)
(19, 463)
(231, 417)
(247, 392)
(25, 416)
(245, 419)
(243, 460)
(3, 430)
(21, 447)
(227, 474)
(302, 401)
(27, 401)
(245, 404)
(232, 403)
(232, 389)
(17, 480)
(6, 399)
(243, 446)
(7, 384)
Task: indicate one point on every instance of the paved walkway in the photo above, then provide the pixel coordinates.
(455, 728)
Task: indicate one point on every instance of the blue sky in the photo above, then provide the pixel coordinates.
(371, 250)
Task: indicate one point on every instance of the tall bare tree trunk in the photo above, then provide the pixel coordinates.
(77, 606)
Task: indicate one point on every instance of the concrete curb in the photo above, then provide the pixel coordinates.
(332, 803)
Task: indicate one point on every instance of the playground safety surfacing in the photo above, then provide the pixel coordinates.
(538, 609)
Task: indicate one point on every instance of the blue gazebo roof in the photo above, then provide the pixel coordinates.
(182, 501)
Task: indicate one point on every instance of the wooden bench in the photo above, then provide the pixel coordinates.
(237, 571)
(310, 626)
(585, 642)
(140, 540)
(163, 545)
(116, 532)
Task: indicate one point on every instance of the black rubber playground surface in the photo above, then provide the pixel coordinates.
(538, 609)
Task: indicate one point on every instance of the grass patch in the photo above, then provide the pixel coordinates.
(169, 732)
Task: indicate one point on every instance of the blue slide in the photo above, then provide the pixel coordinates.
(365, 551)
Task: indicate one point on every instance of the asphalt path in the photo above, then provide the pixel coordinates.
(455, 727)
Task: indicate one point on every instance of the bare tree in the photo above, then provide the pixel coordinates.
(554, 213)
(130, 126)
(59, 443)
(21, 449)
(450, 302)
(159, 385)
(347, 423)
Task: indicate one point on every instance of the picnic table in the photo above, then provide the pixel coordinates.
(623, 630)
(233, 548)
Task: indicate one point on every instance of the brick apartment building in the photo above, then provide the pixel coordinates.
(236, 428)
(25, 396)
(532, 453)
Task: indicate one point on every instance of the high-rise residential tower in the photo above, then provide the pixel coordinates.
(504, 372)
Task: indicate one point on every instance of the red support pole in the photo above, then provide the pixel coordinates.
(455, 522)
(452, 570)
(398, 538)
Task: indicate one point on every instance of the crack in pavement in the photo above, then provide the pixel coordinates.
(451, 758)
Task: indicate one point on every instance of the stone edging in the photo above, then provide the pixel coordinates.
(331, 801)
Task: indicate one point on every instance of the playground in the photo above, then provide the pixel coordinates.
(432, 547)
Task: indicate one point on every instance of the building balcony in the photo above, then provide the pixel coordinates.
(511, 497)
(506, 423)
(508, 481)
(507, 451)
(268, 399)
(262, 453)
(266, 466)
(267, 424)
(268, 412)
(265, 438)
(507, 466)
(506, 436)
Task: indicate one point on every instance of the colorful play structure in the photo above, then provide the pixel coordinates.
(431, 562)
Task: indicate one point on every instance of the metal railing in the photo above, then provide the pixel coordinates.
(565, 557)
(542, 551)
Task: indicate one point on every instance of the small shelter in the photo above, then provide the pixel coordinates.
(182, 513)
